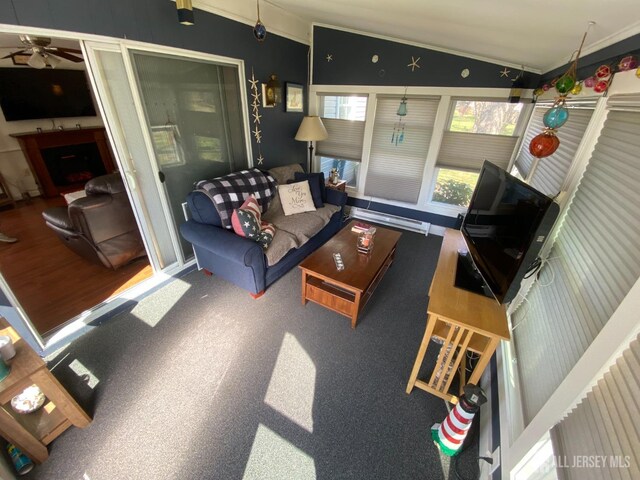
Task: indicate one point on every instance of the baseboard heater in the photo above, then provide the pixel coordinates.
(391, 220)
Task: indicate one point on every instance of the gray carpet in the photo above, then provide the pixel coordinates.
(200, 381)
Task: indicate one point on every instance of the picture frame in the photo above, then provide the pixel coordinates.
(294, 98)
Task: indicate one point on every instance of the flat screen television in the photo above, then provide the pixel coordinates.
(29, 93)
(505, 227)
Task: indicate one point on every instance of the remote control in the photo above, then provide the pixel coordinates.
(338, 259)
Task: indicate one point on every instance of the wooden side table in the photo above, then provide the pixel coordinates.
(463, 320)
(32, 432)
(340, 186)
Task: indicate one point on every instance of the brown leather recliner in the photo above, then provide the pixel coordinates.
(100, 227)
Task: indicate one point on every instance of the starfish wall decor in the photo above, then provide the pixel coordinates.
(255, 112)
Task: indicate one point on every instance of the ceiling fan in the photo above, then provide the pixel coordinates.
(42, 53)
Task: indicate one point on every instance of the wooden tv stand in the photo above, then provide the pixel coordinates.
(463, 320)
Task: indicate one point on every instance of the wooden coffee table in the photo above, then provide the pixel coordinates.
(347, 291)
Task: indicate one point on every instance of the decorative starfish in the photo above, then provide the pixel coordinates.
(329, 57)
(260, 159)
(414, 63)
(256, 116)
(505, 72)
(257, 133)
(253, 81)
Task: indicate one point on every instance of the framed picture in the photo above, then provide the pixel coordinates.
(295, 97)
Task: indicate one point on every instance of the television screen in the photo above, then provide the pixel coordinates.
(29, 93)
(505, 227)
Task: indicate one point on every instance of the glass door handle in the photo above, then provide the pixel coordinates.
(161, 176)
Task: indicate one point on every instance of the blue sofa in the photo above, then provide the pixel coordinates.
(240, 260)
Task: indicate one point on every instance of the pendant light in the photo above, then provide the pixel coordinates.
(185, 12)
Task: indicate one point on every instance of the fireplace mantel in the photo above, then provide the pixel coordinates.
(33, 143)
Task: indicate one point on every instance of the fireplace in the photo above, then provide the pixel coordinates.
(63, 161)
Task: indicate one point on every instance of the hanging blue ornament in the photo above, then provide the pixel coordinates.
(259, 31)
(556, 117)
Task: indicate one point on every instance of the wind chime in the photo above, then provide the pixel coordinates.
(547, 142)
(398, 129)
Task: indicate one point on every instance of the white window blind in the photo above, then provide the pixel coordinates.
(605, 424)
(469, 150)
(395, 170)
(343, 117)
(551, 171)
(524, 160)
(592, 265)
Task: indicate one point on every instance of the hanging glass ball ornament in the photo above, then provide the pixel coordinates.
(545, 87)
(628, 63)
(603, 71)
(589, 82)
(556, 117)
(565, 84)
(601, 86)
(577, 89)
(544, 144)
(538, 91)
(260, 31)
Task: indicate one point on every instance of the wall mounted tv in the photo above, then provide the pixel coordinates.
(505, 227)
(29, 93)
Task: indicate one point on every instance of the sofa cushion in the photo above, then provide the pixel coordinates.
(296, 198)
(316, 184)
(283, 174)
(267, 232)
(230, 191)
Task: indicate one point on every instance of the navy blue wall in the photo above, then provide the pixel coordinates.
(155, 21)
(610, 55)
(351, 64)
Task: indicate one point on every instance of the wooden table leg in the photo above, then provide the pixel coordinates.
(356, 309)
(15, 433)
(304, 287)
(60, 397)
(484, 360)
(431, 324)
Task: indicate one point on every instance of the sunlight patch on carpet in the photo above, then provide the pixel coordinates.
(82, 371)
(155, 308)
(292, 386)
(273, 457)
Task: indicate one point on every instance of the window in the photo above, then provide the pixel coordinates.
(493, 118)
(478, 131)
(396, 168)
(343, 117)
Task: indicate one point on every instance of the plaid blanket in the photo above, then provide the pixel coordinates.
(230, 191)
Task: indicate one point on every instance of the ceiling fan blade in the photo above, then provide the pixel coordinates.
(14, 53)
(66, 56)
(67, 50)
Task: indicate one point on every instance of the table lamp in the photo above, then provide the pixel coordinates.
(311, 130)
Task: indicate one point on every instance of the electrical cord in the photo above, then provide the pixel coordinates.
(470, 440)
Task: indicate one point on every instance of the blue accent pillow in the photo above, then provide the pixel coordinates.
(316, 185)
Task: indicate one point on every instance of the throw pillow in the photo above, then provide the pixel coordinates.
(246, 219)
(316, 183)
(296, 198)
(266, 234)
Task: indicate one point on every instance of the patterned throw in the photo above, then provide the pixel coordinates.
(246, 222)
(230, 191)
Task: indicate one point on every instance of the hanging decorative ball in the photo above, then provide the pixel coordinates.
(589, 82)
(260, 31)
(545, 87)
(555, 117)
(544, 144)
(601, 86)
(538, 91)
(577, 89)
(628, 63)
(565, 84)
(603, 71)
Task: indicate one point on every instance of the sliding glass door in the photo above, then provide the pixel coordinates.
(193, 115)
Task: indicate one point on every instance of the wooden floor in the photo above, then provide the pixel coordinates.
(51, 282)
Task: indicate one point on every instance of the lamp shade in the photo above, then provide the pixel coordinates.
(311, 130)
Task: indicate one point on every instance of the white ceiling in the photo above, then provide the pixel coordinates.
(540, 35)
